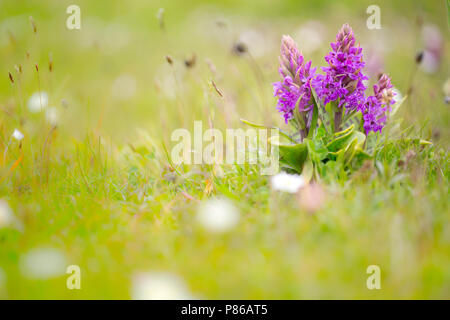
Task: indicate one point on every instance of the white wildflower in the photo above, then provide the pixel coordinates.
(52, 116)
(218, 215)
(43, 263)
(38, 101)
(287, 182)
(159, 286)
(17, 135)
(6, 214)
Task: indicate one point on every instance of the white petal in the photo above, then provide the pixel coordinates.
(43, 263)
(159, 286)
(38, 101)
(285, 182)
(6, 214)
(218, 215)
(17, 135)
(52, 116)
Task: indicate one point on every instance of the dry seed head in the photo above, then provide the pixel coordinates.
(37, 67)
(50, 62)
(18, 67)
(160, 17)
(11, 77)
(169, 59)
(12, 39)
(221, 24)
(33, 25)
(239, 48)
(419, 57)
(190, 62)
(211, 65)
(217, 89)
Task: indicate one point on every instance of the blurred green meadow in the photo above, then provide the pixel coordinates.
(90, 183)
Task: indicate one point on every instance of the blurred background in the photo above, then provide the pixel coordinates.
(114, 69)
(137, 70)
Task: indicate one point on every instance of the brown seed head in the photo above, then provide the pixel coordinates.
(190, 62)
(50, 62)
(33, 25)
(169, 59)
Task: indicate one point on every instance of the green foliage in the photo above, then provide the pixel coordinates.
(336, 153)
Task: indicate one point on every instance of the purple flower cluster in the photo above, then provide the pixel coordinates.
(342, 83)
(343, 79)
(376, 106)
(295, 87)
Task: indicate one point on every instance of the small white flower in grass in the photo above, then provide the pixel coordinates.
(17, 135)
(218, 215)
(52, 116)
(7, 217)
(159, 286)
(43, 263)
(287, 182)
(38, 101)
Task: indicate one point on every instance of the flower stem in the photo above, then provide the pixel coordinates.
(337, 120)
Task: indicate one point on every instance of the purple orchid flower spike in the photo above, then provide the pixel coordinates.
(377, 106)
(342, 82)
(294, 90)
(341, 86)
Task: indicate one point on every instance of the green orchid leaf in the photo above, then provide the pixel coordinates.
(346, 145)
(354, 119)
(252, 124)
(316, 150)
(291, 155)
(350, 151)
(336, 155)
(314, 120)
(322, 112)
(361, 137)
(341, 139)
(308, 170)
(362, 155)
(344, 132)
(260, 126)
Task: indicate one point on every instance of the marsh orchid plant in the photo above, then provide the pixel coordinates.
(332, 110)
(341, 87)
(335, 115)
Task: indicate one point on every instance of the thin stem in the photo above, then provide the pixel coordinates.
(337, 120)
